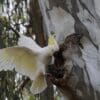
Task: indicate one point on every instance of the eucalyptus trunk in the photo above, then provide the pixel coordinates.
(65, 17)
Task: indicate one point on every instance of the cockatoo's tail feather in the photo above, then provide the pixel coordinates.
(39, 84)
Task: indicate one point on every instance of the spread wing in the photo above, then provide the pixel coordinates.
(29, 43)
(39, 85)
(21, 58)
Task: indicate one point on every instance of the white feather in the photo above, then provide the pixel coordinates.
(29, 43)
(29, 59)
(20, 58)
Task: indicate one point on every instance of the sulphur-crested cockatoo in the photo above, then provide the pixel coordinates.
(29, 59)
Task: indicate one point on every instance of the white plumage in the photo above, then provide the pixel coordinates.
(29, 59)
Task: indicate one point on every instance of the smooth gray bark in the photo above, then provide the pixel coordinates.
(65, 17)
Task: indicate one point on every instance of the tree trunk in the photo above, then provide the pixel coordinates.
(65, 17)
(36, 23)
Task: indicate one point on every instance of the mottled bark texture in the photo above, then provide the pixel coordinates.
(68, 61)
(76, 68)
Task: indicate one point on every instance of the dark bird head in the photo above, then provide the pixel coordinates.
(73, 38)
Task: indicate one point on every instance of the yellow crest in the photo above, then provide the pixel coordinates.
(51, 40)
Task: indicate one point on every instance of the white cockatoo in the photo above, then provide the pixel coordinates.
(29, 59)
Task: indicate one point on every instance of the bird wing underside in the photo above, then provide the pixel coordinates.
(20, 58)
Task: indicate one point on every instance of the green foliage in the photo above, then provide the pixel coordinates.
(7, 86)
(4, 21)
(10, 80)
